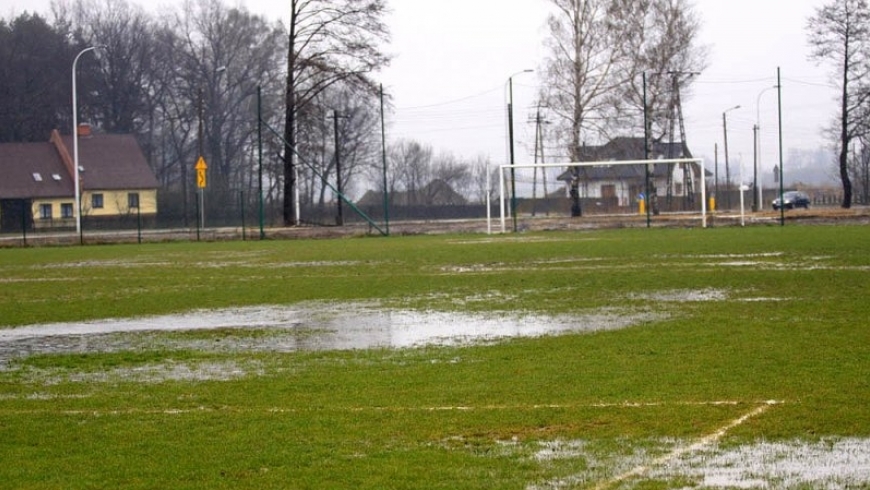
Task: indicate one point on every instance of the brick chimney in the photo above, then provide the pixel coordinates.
(63, 152)
(84, 130)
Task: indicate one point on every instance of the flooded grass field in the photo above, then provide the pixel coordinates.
(562, 361)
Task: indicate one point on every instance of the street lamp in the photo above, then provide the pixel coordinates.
(75, 135)
(510, 115)
(759, 195)
(727, 168)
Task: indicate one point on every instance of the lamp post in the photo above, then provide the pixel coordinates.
(510, 115)
(75, 135)
(727, 168)
(759, 196)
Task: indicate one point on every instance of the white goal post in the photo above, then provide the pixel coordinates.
(609, 163)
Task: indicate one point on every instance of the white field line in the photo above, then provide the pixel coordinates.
(446, 408)
(696, 446)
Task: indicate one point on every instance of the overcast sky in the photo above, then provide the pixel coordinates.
(453, 59)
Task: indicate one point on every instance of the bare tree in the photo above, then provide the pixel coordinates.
(34, 79)
(661, 42)
(358, 138)
(411, 163)
(452, 171)
(127, 61)
(581, 69)
(839, 33)
(329, 41)
(482, 185)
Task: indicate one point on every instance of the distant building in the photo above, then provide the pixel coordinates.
(37, 188)
(622, 185)
(436, 193)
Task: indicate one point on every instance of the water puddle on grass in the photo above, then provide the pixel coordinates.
(829, 464)
(309, 326)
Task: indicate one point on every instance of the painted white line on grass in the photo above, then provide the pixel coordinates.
(680, 451)
(445, 408)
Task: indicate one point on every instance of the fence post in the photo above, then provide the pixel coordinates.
(242, 203)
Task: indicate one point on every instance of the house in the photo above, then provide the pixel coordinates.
(622, 185)
(435, 193)
(37, 190)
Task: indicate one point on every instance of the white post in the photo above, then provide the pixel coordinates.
(488, 200)
(501, 197)
(703, 193)
(75, 136)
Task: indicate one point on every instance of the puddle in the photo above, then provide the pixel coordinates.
(829, 464)
(309, 326)
(683, 295)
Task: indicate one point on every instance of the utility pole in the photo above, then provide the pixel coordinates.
(339, 220)
(727, 169)
(715, 172)
(755, 202)
(384, 158)
(539, 158)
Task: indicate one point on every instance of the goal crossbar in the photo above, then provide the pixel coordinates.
(603, 163)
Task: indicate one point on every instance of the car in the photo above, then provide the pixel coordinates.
(792, 200)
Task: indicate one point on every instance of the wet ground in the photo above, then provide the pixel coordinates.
(310, 326)
(829, 464)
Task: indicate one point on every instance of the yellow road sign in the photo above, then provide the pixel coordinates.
(201, 167)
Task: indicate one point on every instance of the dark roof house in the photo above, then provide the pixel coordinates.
(44, 170)
(436, 193)
(36, 179)
(626, 149)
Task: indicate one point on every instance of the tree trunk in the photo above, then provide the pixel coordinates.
(845, 137)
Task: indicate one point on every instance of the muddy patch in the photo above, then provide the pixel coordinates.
(302, 327)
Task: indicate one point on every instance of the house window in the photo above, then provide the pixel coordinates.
(133, 200)
(45, 211)
(97, 201)
(66, 210)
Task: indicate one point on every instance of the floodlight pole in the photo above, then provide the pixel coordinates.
(260, 156)
(510, 109)
(75, 136)
(727, 169)
(779, 99)
(384, 158)
(647, 199)
(759, 187)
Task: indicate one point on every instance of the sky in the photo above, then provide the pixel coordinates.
(453, 59)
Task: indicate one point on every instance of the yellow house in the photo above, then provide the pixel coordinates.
(37, 190)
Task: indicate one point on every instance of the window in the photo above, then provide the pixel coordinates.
(37, 176)
(66, 210)
(133, 200)
(97, 201)
(45, 211)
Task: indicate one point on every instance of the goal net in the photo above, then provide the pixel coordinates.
(604, 190)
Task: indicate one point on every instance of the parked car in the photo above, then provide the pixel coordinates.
(792, 199)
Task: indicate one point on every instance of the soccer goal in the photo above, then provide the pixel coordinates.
(674, 188)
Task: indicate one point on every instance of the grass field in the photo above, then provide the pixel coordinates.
(671, 358)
